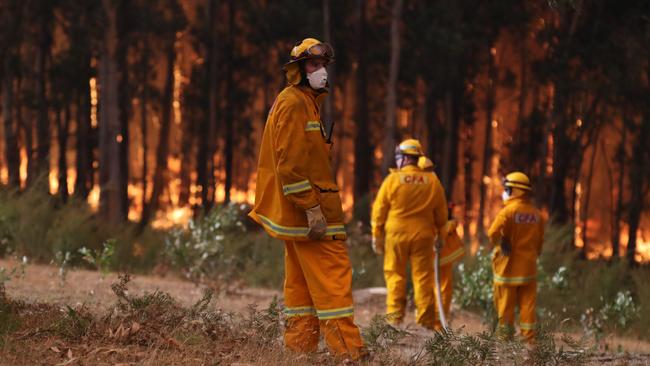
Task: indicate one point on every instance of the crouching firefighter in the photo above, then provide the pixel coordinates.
(410, 202)
(448, 250)
(517, 234)
(297, 200)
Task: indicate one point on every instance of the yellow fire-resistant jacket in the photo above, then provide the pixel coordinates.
(294, 171)
(452, 249)
(409, 203)
(522, 225)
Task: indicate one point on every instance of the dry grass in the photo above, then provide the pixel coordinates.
(149, 329)
(155, 321)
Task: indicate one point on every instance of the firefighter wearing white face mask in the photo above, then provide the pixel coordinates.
(297, 200)
(517, 235)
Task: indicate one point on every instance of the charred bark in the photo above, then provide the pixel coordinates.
(621, 157)
(450, 149)
(63, 123)
(84, 150)
(363, 151)
(391, 88)
(207, 136)
(124, 100)
(487, 147)
(639, 176)
(162, 150)
(111, 203)
(42, 123)
(229, 113)
(12, 154)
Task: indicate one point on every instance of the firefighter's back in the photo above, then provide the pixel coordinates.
(414, 198)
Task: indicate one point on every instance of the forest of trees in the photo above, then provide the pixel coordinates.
(151, 105)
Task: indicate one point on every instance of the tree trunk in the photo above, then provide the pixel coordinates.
(27, 127)
(328, 115)
(618, 212)
(162, 150)
(111, 203)
(84, 153)
(124, 99)
(12, 154)
(188, 140)
(487, 147)
(391, 88)
(450, 147)
(42, 124)
(468, 165)
(63, 123)
(144, 83)
(229, 102)
(362, 148)
(434, 129)
(558, 205)
(205, 158)
(585, 206)
(639, 176)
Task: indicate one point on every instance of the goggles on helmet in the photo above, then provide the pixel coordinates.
(319, 50)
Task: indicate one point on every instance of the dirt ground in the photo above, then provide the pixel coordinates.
(41, 283)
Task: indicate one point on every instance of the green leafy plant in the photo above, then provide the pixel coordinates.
(100, 259)
(474, 286)
(62, 260)
(379, 335)
(199, 251)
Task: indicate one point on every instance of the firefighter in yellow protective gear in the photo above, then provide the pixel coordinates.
(451, 252)
(517, 234)
(297, 200)
(409, 203)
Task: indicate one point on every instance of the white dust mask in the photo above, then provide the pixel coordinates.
(505, 196)
(318, 78)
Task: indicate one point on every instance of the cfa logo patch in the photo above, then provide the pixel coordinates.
(526, 218)
(413, 179)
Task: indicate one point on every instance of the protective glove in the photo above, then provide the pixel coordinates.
(317, 223)
(506, 248)
(449, 227)
(378, 245)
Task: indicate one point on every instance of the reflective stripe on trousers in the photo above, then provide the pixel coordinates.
(318, 276)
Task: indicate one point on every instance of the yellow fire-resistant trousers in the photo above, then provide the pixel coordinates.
(446, 276)
(397, 255)
(318, 298)
(506, 297)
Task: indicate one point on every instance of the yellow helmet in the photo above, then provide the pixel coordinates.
(425, 163)
(517, 180)
(410, 147)
(303, 50)
(310, 48)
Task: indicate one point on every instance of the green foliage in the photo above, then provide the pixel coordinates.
(380, 336)
(7, 274)
(454, 348)
(618, 312)
(40, 227)
(34, 224)
(622, 310)
(474, 285)
(100, 260)
(265, 326)
(74, 324)
(62, 260)
(199, 250)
